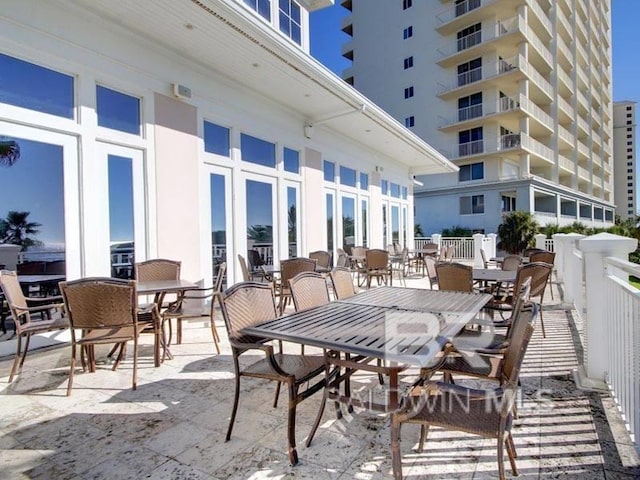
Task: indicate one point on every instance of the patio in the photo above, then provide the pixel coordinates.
(173, 425)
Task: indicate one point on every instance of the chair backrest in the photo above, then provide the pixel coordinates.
(451, 250)
(157, 269)
(430, 267)
(485, 261)
(377, 259)
(322, 258)
(359, 251)
(518, 343)
(222, 270)
(13, 292)
(309, 289)
(245, 270)
(430, 246)
(391, 248)
(246, 304)
(527, 252)
(443, 253)
(454, 277)
(542, 256)
(539, 273)
(342, 283)
(511, 262)
(255, 260)
(293, 266)
(343, 260)
(100, 302)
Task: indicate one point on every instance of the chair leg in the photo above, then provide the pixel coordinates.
(291, 424)
(396, 455)
(17, 358)
(123, 347)
(26, 349)
(276, 396)
(135, 362)
(72, 366)
(424, 430)
(544, 334)
(178, 332)
(236, 397)
(501, 442)
(216, 338)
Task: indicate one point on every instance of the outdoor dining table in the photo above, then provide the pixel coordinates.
(494, 275)
(27, 281)
(401, 326)
(159, 288)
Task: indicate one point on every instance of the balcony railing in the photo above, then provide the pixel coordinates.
(467, 113)
(458, 10)
(500, 28)
(535, 76)
(471, 148)
(485, 72)
(469, 41)
(510, 141)
(541, 14)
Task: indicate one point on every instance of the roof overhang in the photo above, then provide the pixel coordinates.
(226, 37)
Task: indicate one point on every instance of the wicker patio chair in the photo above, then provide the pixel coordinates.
(308, 290)
(430, 271)
(246, 304)
(196, 303)
(358, 264)
(378, 266)
(527, 252)
(106, 311)
(22, 311)
(511, 262)
(454, 277)
(342, 283)
(546, 257)
(323, 260)
(487, 412)
(289, 269)
(249, 275)
(450, 252)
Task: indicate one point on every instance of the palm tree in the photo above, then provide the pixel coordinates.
(9, 152)
(517, 231)
(16, 228)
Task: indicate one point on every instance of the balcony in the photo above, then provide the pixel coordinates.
(565, 164)
(541, 15)
(347, 50)
(485, 73)
(565, 107)
(537, 79)
(565, 51)
(566, 136)
(346, 25)
(479, 111)
(538, 45)
(583, 174)
(565, 80)
(583, 150)
(564, 21)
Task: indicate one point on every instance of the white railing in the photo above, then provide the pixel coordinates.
(462, 247)
(459, 9)
(535, 111)
(467, 113)
(541, 14)
(470, 148)
(565, 163)
(419, 242)
(565, 134)
(487, 71)
(537, 148)
(565, 106)
(537, 78)
(564, 77)
(623, 346)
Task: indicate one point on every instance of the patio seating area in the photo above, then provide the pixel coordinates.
(173, 426)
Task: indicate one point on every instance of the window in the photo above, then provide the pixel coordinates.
(291, 160)
(329, 169)
(629, 130)
(470, 36)
(118, 111)
(405, 193)
(463, 6)
(409, 121)
(216, 139)
(407, 33)
(406, 4)
(472, 205)
(470, 142)
(255, 150)
(330, 227)
(470, 107)
(629, 135)
(508, 203)
(408, 92)
(629, 143)
(629, 115)
(473, 171)
(263, 7)
(31, 86)
(347, 176)
(364, 181)
(290, 23)
(629, 108)
(348, 221)
(394, 190)
(629, 122)
(408, 62)
(470, 71)
(384, 186)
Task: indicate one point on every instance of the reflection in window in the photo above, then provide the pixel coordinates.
(259, 215)
(290, 23)
(291, 160)
(395, 224)
(404, 226)
(121, 223)
(255, 150)
(348, 222)
(329, 169)
(364, 181)
(118, 111)
(364, 220)
(395, 190)
(263, 7)
(32, 201)
(330, 222)
(384, 225)
(31, 86)
(405, 193)
(347, 176)
(292, 217)
(384, 186)
(218, 220)
(216, 139)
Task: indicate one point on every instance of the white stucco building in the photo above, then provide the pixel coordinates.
(178, 126)
(517, 93)
(624, 155)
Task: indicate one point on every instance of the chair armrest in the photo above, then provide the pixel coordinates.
(56, 299)
(439, 388)
(38, 308)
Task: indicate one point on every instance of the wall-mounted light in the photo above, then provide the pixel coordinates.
(417, 182)
(379, 169)
(308, 131)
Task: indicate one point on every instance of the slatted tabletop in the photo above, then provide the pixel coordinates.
(494, 275)
(410, 329)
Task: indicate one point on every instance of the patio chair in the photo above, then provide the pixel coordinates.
(377, 266)
(22, 310)
(539, 273)
(454, 277)
(289, 269)
(342, 283)
(442, 256)
(546, 257)
(527, 252)
(449, 253)
(430, 271)
(399, 265)
(323, 260)
(196, 303)
(511, 262)
(488, 412)
(249, 275)
(246, 304)
(106, 311)
(308, 290)
(343, 260)
(358, 264)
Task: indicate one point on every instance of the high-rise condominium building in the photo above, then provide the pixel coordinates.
(517, 93)
(624, 155)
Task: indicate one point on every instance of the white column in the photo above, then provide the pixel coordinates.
(594, 250)
(572, 288)
(540, 240)
(558, 247)
(477, 246)
(491, 248)
(9, 255)
(437, 238)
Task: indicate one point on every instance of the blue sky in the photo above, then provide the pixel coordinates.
(327, 40)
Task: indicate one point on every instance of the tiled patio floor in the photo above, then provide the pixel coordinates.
(173, 425)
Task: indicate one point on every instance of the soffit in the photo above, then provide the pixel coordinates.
(225, 37)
